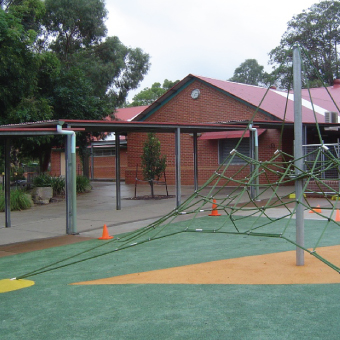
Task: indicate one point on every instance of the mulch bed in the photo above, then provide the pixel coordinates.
(148, 197)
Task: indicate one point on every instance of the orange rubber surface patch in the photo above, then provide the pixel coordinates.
(277, 268)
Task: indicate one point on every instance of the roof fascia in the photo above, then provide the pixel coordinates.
(163, 102)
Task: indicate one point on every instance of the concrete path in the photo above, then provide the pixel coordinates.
(97, 208)
(94, 209)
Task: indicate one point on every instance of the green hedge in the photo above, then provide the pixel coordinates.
(20, 200)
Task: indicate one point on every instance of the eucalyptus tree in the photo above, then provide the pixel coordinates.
(250, 72)
(316, 30)
(149, 94)
(56, 61)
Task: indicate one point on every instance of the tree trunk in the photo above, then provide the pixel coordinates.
(151, 185)
(44, 160)
(86, 171)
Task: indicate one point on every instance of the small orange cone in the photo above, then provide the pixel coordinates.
(106, 235)
(337, 216)
(316, 210)
(214, 211)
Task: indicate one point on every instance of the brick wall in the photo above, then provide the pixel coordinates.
(105, 166)
(55, 162)
(58, 163)
(211, 106)
(326, 186)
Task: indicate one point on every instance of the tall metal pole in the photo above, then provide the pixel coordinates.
(298, 154)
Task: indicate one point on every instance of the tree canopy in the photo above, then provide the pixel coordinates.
(250, 72)
(316, 30)
(22, 70)
(148, 95)
(56, 61)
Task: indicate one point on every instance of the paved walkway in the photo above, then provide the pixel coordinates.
(94, 209)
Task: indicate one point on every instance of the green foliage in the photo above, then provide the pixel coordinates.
(56, 62)
(250, 72)
(148, 95)
(83, 184)
(74, 24)
(42, 180)
(20, 200)
(58, 185)
(17, 174)
(153, 164)
(18, 65)
(317, 31)
(73, 96)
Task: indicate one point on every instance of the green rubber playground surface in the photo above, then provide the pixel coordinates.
(54, 309)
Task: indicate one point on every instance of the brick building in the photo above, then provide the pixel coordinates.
(198, 99)
(205, 100)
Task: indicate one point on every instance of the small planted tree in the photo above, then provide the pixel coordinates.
(153, 164)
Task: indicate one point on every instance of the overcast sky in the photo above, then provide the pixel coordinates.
(203, 37)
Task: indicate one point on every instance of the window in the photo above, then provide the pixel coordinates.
(226, 145)
(101, 152)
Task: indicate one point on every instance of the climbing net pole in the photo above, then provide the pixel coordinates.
(298, 153)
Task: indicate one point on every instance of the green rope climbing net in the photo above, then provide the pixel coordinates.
(241, 206)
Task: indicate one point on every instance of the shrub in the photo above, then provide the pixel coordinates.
(17, 174)
(42, 180)
(58, 185)
(83, 184)
(19, 200)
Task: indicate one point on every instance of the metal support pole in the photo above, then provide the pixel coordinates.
(298, 154)
(92, 163)
(195, 162)
(178, 166)
(118, 196)
(68, 184)
(73, 230)
(252, 156)
(257, 180)
(71, 180)
(7, 182)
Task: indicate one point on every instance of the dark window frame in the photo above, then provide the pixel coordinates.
(225, 146)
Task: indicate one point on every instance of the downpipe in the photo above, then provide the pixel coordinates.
(256, 151)
(73, 177)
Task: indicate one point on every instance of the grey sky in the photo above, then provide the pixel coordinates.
(207, 38)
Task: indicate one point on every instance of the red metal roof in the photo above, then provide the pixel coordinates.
(227, 134)
(128, 113)
(321, 97)
(275, 100)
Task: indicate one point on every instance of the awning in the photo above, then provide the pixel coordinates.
(227, 134)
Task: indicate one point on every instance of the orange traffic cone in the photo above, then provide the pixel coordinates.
(337, 216)
(106, 235)
(316, 210)
(214, 211)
